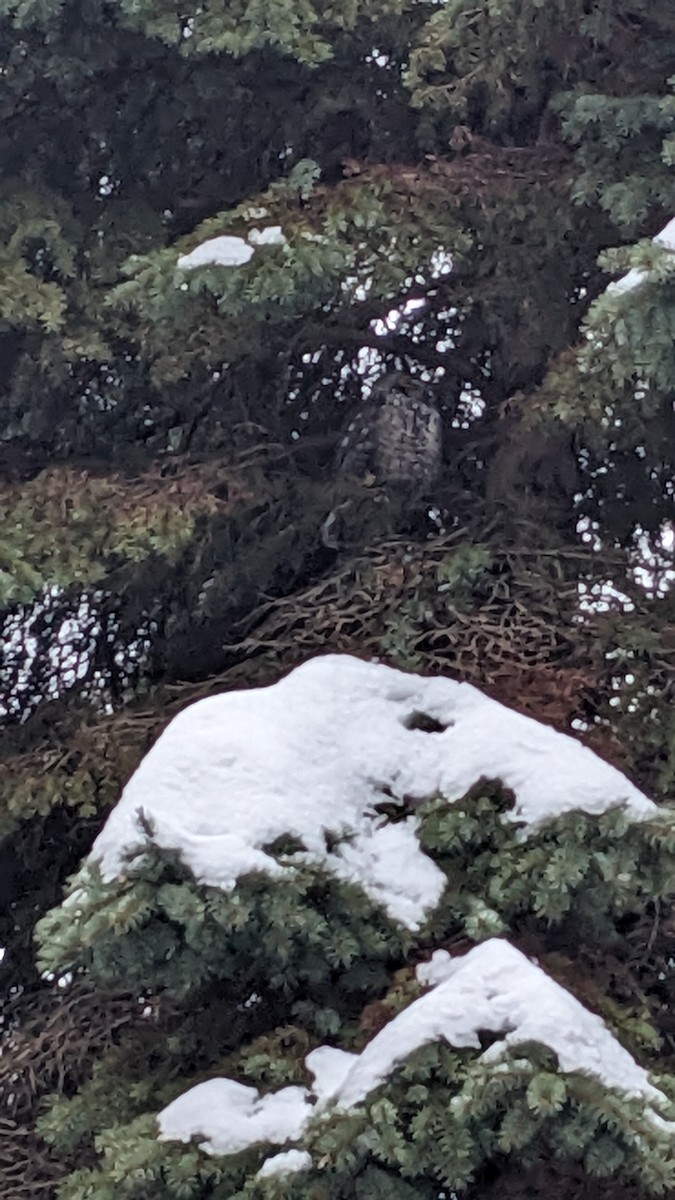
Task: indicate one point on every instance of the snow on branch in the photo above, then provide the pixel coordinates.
(639, 275)
(313, 758)
(229, 250)
(494, 988)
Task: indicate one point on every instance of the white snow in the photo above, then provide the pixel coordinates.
(225, 251)
(315, 752)
(232, 1116)
(271, 236)
(330, 1068)
(285, 1163)
(436, 970)
(389, 865)
(493, 988)
(637, 276)
(231, 251)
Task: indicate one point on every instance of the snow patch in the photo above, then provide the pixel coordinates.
(232, 1116)
(319, 752)
(285, 1163)
(231, 251)
(439, 968)
(271, 236)
(493, 988)
(225, 251)
(638, 275)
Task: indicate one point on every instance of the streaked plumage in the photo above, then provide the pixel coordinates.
(395, 436)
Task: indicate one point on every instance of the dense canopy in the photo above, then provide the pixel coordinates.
(223, 227)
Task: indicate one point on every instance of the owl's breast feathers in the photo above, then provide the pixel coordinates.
(396, 435)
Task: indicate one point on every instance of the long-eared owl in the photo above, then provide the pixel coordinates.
(395, 436)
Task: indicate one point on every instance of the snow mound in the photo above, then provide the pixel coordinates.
(285, 1163)
(225, 251)
(493, 988)
(234, 1116)
(231, 251)
(314, 754)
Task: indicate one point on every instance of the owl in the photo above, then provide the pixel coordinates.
(395, 436)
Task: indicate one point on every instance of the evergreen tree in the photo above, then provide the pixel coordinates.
(220, 226)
